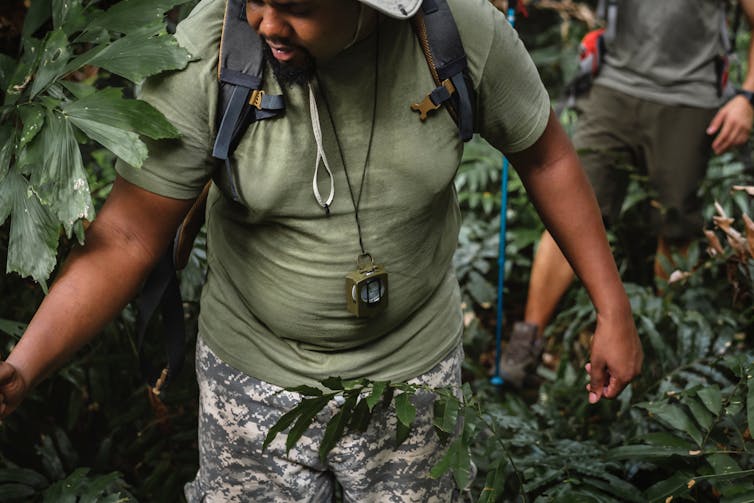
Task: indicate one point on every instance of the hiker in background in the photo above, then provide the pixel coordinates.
(657, 107)
(348, 178)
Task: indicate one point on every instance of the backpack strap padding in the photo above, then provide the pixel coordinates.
(240, 69)
(441, 43)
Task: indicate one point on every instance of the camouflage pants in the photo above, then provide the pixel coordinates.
(237, 411)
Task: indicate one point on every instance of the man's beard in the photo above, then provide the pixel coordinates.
(289, 75)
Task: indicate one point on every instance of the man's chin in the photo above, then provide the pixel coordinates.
(297, 71)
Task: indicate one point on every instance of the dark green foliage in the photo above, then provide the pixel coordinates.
(50, 106)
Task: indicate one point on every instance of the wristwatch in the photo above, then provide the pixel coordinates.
(749, 95)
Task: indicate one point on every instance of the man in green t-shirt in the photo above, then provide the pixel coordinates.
(657, 107)
(348, 175)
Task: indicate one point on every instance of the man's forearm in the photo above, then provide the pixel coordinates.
(130, 233)
(95, 284)
(566, 203)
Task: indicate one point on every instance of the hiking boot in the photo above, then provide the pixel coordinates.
(522, 354)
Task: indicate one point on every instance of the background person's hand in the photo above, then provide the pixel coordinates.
(731, 124)
(13, 389)
(616, 357)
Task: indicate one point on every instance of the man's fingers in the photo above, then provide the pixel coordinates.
(715, 124)
(614, 387)
(596, 372)
(723, 140)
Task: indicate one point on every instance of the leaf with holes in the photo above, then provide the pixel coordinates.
(55, 56)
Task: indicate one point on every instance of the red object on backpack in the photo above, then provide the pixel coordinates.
(590, 52)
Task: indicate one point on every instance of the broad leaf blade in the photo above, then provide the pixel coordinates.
(360, 417)
(7, 144)
(109, 108)
(336, 426)
(55, 55)
(62, 10)
(494, 485)
(674, 416)
(446, 413)
(33, 232)
(124, 144)
(668, 487)
(703, 417)
(33, 118)
(375, 396)
(132, 15)
(402, 433)
(63, 183)
(404, 409)
(645, 452)
(284, 422)
(711, 398)
(309, 408)
(136, 57)
(458, 460)
(18, 83)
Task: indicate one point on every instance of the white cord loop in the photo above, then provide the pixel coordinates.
(317, 130)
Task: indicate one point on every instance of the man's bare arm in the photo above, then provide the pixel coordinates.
(130, 233)
(555, 181)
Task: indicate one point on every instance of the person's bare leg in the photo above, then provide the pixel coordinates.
(551, 275)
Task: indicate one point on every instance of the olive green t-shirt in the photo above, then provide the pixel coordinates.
(274, 303)
(665, 51)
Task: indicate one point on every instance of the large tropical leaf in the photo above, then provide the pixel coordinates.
(124, 144)
(109, 108)
(33, 230)
(137, 56)
(133, 15)
(62, 182)
(32, 118)
(6, 151)
(62, 9)
(55, 56)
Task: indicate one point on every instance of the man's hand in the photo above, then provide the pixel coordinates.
(732, 124)
(13, 389)
(616, 357)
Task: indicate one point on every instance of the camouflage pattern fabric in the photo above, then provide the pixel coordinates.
(237, 411)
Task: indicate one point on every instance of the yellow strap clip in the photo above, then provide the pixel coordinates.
(255, 99)
(427, 105)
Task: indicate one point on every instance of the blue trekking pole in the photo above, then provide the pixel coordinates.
(496, 379)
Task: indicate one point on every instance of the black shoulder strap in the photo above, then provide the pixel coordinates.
(242, 101)
(441, 43)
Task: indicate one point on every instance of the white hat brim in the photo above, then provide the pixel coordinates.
(399, 9)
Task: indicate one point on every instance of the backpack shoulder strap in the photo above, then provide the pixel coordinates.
(438, 36)
(239, 69)
(241, 101)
